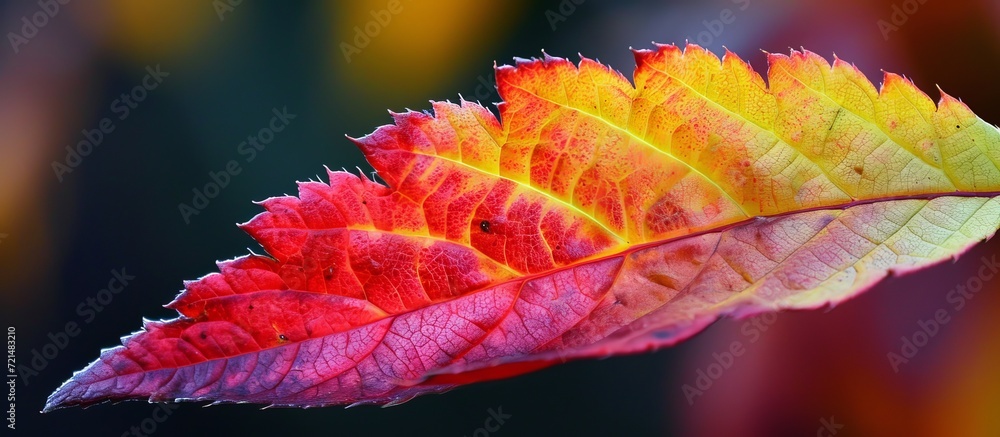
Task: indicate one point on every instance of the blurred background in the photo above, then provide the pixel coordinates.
(176, 86)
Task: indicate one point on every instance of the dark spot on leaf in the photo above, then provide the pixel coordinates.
(858, 169)
(664, 280)
(835, 117)
(328, 273)
(665, 216)
(364, 202)
(203, 335)
(282, 337)
(827, 219)
(250, 308)
(484, 226)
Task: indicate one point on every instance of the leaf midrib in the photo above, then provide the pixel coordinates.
(627, 251)
(642, 141)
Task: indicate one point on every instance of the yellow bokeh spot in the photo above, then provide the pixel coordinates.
(403, 47)
(152, 29)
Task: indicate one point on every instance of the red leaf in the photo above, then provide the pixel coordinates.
(598, 219)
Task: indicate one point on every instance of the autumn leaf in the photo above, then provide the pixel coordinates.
(598, 218)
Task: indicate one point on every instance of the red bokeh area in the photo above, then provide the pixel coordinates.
(852, 363)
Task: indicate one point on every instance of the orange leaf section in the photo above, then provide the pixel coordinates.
(351, 238)
(599, 218)
(448, 166)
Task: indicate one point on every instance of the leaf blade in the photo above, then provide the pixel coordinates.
(598, 218)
